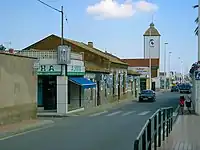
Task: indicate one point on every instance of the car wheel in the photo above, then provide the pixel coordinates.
(140, 99)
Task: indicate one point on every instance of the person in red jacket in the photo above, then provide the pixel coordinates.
(181, 103)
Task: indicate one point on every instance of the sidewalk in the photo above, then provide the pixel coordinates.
(9, 130)
(185, 134)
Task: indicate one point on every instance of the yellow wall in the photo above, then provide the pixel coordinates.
(147, 83)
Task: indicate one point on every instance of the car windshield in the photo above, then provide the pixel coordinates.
(185, 86)
(147, 92)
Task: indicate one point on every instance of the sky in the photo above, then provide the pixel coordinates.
(116, 26)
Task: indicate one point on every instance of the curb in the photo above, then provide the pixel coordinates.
(40, 125)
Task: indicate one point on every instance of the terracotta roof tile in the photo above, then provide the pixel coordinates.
(141, 62)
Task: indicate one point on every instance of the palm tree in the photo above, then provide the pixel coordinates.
(196, 21)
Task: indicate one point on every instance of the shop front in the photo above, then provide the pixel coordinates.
(80, 93)
(47, 85)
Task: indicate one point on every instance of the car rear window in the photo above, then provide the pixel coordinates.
(147, 92)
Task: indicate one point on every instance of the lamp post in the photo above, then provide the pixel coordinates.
(150, 40)
(165, 72)
(181, 70)
(199, 30)
(62, 28)
(169, 69)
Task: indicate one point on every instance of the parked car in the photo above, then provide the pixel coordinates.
(185, 88)
(174, 89)
(147, 95)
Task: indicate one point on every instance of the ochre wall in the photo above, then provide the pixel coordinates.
(17, 88)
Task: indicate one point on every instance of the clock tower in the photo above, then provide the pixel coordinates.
(152, 42)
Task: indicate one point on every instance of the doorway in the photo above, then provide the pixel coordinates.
(154, 86)
(49, 91)
(143, 84)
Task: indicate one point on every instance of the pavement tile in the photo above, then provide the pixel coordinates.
(185, 134)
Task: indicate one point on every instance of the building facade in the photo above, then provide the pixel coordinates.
(105, 74)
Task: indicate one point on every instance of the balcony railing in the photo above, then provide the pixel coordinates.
(50, 54)
(156, 129)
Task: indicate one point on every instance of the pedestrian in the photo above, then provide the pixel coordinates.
(181, 103)
(188, 104)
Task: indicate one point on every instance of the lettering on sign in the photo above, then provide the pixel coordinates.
(44, 68)
(49, 70)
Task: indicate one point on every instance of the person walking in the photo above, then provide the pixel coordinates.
(181, 103)
(188, 104)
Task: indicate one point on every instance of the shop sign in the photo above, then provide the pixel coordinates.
(90, 75)
(140, 70)
(75, 70)
(49, 70)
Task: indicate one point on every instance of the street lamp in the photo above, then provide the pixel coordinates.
(181, 68)
(151, 43)
(199, 30)
(165, 72)
(169, 69)
(62, 28)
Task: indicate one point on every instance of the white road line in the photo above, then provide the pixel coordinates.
(128, 113)
(25, 132)
(97, 114)
(114, 113)
(144, 113)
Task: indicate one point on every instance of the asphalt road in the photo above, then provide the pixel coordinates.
(112, 130)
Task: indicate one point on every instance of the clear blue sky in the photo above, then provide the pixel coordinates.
(24, 22)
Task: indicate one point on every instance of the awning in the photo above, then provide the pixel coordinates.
(85, 83)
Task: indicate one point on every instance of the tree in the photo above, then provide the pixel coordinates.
(2, 48)
(196, 21)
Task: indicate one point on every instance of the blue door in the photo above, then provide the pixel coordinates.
(40, 91)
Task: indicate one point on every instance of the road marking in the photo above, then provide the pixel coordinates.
(128, 113)
(97, 114)
(25, 132)
(114, 113)
(144, 113)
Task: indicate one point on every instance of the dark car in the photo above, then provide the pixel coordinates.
(174, 89)
(185, 88)
(147, 95)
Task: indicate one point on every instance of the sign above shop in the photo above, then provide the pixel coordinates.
(74, 70)
(64, 55)
(140, 70)
(49, 70)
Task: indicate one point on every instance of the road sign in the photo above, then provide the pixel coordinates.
(64, 55)
(197, 75)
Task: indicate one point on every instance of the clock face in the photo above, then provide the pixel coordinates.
(151, 42)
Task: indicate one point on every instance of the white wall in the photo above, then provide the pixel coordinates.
(155, 51)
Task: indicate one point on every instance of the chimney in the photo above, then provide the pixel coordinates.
(90, 44)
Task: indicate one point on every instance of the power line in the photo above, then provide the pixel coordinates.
(49, 6)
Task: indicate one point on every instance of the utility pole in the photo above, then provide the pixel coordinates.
(198, 30)
(62, 25)
(165, 78)
(150, 86)
(169, 69)
(62, 28)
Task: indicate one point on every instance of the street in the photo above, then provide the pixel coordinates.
(114, 129)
